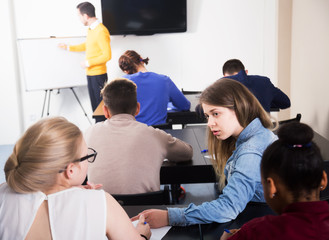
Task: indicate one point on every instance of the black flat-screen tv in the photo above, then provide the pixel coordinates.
(144, 17)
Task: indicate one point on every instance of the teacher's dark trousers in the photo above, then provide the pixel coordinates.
(95, 85)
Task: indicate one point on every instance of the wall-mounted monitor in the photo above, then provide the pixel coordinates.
(144, 17)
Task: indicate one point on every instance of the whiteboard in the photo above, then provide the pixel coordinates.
(45, 18)
(45, 66)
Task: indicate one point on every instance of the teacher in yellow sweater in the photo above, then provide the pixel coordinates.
(98, 51)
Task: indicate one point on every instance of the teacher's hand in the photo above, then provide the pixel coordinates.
(154, 217)
(62, 46)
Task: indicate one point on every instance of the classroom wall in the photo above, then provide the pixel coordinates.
(10, 104)
(309, 63)
(217, 30)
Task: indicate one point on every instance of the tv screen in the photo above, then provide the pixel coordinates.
(144, 17)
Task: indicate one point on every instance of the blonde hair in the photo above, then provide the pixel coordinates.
(233, 95)
(38, 156)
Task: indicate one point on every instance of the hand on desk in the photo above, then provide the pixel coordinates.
(227, 235)
(91, 186)
(154, 217)
(143, 227)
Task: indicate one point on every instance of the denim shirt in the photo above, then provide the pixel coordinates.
(242, 172)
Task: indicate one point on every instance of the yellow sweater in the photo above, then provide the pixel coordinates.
(98, 49)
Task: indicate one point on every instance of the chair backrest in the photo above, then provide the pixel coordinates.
(296, 119)
(163, 126)
(190, 92)
(161, 197)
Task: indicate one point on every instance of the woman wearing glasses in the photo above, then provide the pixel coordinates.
(43, 198)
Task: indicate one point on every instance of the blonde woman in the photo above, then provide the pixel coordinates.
(41, 198)
(238, 133)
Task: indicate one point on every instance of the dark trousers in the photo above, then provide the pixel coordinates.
(95, 85)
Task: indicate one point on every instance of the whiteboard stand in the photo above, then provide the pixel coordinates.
(48, 91)
(44, 102)
(76, 96)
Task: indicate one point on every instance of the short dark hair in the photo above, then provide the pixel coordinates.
(130, 60)
(120, 96)
(87, 8)
(232, 66)
(295, 159)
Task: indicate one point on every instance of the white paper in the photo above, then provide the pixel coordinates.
(157, 233)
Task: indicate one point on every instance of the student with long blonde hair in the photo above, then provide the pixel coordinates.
(43, 198)
(238, 129)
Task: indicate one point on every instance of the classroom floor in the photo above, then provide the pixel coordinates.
(196, 193)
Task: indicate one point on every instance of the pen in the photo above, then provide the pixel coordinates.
(204, 150)
(226, 230)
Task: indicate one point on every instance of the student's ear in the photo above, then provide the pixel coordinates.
(70, 170)
(246, 72)
(138, 108)
(271, 188)
(324, 181)
(107, 112)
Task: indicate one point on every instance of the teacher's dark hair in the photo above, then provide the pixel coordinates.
(295, 159)
(87, 8)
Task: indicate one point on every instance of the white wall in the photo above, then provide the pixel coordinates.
(309, 63)
(217, 31)
(10, 106)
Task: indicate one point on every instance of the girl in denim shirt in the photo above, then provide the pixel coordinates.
(293, 175)
(238, 133)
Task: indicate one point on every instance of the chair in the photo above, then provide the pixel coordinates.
(163, 126)
(190, 92)
(296, 119)
(161, 197)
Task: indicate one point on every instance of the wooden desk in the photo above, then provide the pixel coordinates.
(99, 110)
(211, 231)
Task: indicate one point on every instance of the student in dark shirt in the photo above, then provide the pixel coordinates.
(267, 94)
(292, 177)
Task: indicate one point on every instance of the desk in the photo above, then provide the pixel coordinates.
(199, 169)
(209, 231)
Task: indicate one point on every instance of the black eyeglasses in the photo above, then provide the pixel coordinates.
(91, 156)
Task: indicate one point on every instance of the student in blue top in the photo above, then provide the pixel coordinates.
(154, 91)
(238, 133)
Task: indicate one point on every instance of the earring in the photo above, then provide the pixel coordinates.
(321, 187)
(273, 195)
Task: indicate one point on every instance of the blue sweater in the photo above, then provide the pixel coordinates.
(267, 94)
(154, 92)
